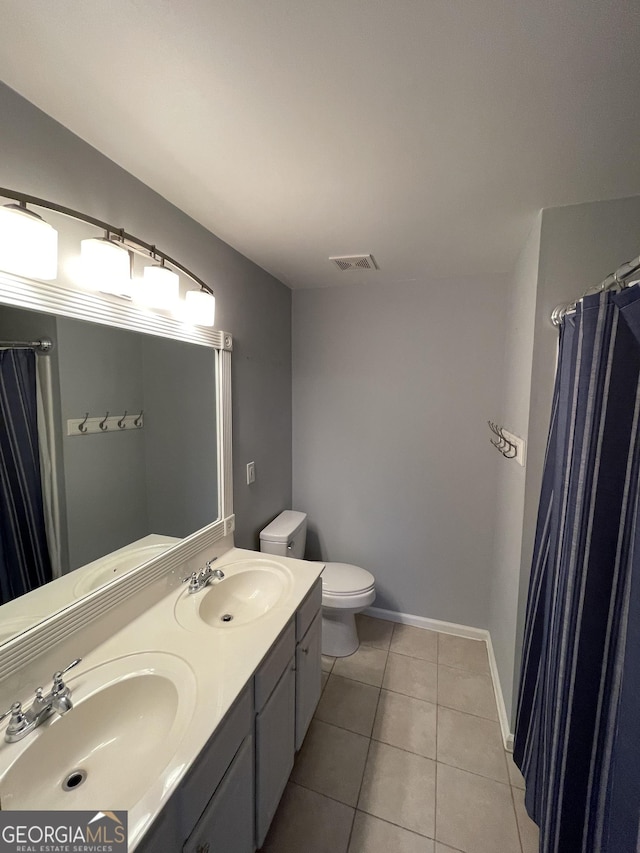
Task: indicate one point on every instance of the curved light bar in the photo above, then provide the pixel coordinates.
(120, 240)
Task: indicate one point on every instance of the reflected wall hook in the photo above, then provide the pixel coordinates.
(103, 424)
(121, 422)
(511, 446)
(82, 427)
(138, 420)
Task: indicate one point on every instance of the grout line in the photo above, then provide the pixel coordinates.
(321, 794)
(398, 825)
(366, 761)
(413, 657)
(515, 814)
(471, 714)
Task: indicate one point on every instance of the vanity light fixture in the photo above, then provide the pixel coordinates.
(200, 307)
(28, 244)
(29, 247)
(160, 287)
(106, 266)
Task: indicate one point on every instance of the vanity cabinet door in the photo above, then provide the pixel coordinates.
(308, 677)
(275, 726)
(226, 825)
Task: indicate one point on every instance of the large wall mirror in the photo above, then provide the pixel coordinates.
(131, 415)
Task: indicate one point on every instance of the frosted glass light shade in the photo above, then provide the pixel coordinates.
(105, 266)
(28, 244)
(200, 308)
(160, 287)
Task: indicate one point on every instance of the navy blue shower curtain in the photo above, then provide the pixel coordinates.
(577, 738)
(24, 558)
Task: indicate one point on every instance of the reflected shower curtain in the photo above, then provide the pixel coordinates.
(578, 723)
(24, 558)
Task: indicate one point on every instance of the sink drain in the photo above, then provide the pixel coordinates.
(74, 780)
(226, 618)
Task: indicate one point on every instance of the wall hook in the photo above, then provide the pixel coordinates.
(82, 427)
(103, 424)
(121, 422)
(138, 420)
(509, 451)
(510, 445)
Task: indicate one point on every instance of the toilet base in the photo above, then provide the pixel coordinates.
(339, 632)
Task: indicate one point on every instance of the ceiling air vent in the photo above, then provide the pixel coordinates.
(355, 262)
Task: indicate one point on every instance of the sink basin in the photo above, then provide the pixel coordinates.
(249, 590)
(129, 713)
(114, 565)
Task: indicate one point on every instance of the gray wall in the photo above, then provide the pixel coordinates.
(105, 485)
(393, 385)
(514, 416)
(41, 157)
(180, 435)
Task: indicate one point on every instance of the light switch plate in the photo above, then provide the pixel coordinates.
(251, 473)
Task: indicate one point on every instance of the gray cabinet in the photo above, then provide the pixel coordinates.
(223, 771)
(275, 725)
(229, 796)
(308, 677)
(223, 827)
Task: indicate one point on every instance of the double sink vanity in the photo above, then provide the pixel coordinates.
(187, 717)
(179, 701)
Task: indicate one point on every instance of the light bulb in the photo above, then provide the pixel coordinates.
(28, 244)
(106, 266)
(200, 308)
(159, 288)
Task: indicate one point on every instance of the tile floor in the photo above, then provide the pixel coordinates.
(404, 755)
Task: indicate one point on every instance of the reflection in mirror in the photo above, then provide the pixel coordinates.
(127, 485)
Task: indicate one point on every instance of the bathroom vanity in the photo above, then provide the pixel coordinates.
(228, 798)
(190, 715)
(188, 708)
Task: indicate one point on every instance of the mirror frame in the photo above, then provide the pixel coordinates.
(52, 298)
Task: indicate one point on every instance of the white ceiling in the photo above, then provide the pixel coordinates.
(427, 132)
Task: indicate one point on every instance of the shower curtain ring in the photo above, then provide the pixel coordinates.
(82, 426)
(121, 422)
(103, 424)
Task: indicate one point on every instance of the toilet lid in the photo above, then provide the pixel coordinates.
(345, 579)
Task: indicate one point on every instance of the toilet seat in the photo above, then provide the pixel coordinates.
(347, 587)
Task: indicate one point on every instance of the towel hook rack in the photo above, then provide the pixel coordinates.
(511, 446)
(103, 423)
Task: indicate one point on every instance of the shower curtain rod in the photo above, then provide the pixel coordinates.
(43, 345)
(614, 279)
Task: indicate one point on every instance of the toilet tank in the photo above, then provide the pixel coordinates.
(286, 535)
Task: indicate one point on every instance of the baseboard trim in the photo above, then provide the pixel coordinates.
(458, 631)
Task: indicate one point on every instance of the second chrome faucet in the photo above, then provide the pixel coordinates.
(198, 580)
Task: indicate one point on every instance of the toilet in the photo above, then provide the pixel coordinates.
(346, 589)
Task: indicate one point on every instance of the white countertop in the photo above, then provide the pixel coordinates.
(221, 659)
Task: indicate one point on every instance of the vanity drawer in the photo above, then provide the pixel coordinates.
(308, 609)
(274, 665)
(205, 775)
(223, 827)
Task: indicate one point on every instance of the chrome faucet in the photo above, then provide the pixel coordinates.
(58, 699)
(198, 580)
